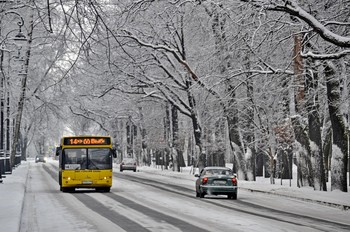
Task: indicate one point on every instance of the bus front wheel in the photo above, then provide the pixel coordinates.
(67, 190)
(106, 189)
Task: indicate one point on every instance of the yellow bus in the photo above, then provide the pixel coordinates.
(85, 162)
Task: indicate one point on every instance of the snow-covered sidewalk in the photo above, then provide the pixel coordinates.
(12, 192)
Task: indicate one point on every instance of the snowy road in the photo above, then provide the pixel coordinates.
(147, 202)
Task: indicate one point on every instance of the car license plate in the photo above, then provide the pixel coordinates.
(219, 182)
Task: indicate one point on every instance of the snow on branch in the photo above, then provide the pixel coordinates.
(177, 56)
(174, 52)
(292, 8)
(166, 97)
(325, 56)
(85, 115)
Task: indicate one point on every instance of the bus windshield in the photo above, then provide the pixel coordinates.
(87, 158)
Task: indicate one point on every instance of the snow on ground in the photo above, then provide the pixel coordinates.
(285, 187)
(11, 198)
(12, 191)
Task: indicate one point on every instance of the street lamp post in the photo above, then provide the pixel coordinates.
(5, 154)
(20, 37)
(2, 115)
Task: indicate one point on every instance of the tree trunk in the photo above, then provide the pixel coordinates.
(303, 152)
(327, 149)
(145, 157)
(176, 143)
(249, 137)
(315, 131)
(219, 142)
(24, 148)
(197, 130)
(339, 160)
(239, 165)
(168, 130)
(305, 170)
(271, 165)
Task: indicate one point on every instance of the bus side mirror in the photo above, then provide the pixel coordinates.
(114, 152)
(58, 151)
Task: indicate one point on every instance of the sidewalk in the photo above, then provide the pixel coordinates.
(11, 197)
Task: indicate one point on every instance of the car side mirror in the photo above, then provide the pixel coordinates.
(196, 175)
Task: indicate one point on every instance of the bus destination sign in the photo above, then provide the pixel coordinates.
(87, 141)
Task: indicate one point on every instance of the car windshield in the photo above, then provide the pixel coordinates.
(217, 171)
(128, 161)
(91, 158)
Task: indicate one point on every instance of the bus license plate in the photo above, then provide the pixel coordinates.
(87, 182)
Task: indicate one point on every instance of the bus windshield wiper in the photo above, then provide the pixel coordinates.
(91, 162)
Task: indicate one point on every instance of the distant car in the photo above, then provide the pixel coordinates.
(128, 164)
(40, 158)
(216, 181)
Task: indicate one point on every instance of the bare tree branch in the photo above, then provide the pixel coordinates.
(325, 56)
(292, 8)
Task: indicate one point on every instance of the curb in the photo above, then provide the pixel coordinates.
(24, 193)
(326, 203)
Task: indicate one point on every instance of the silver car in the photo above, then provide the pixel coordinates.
(40, 158)
(216, 181)
(128, 164)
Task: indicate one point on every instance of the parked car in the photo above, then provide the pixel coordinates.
(40, 158)
(216, 181)
(128, 164)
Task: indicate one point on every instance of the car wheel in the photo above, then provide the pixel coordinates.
(121, 170)
(134, 170)
(197, 194)
(201, 194)
(234, 196)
